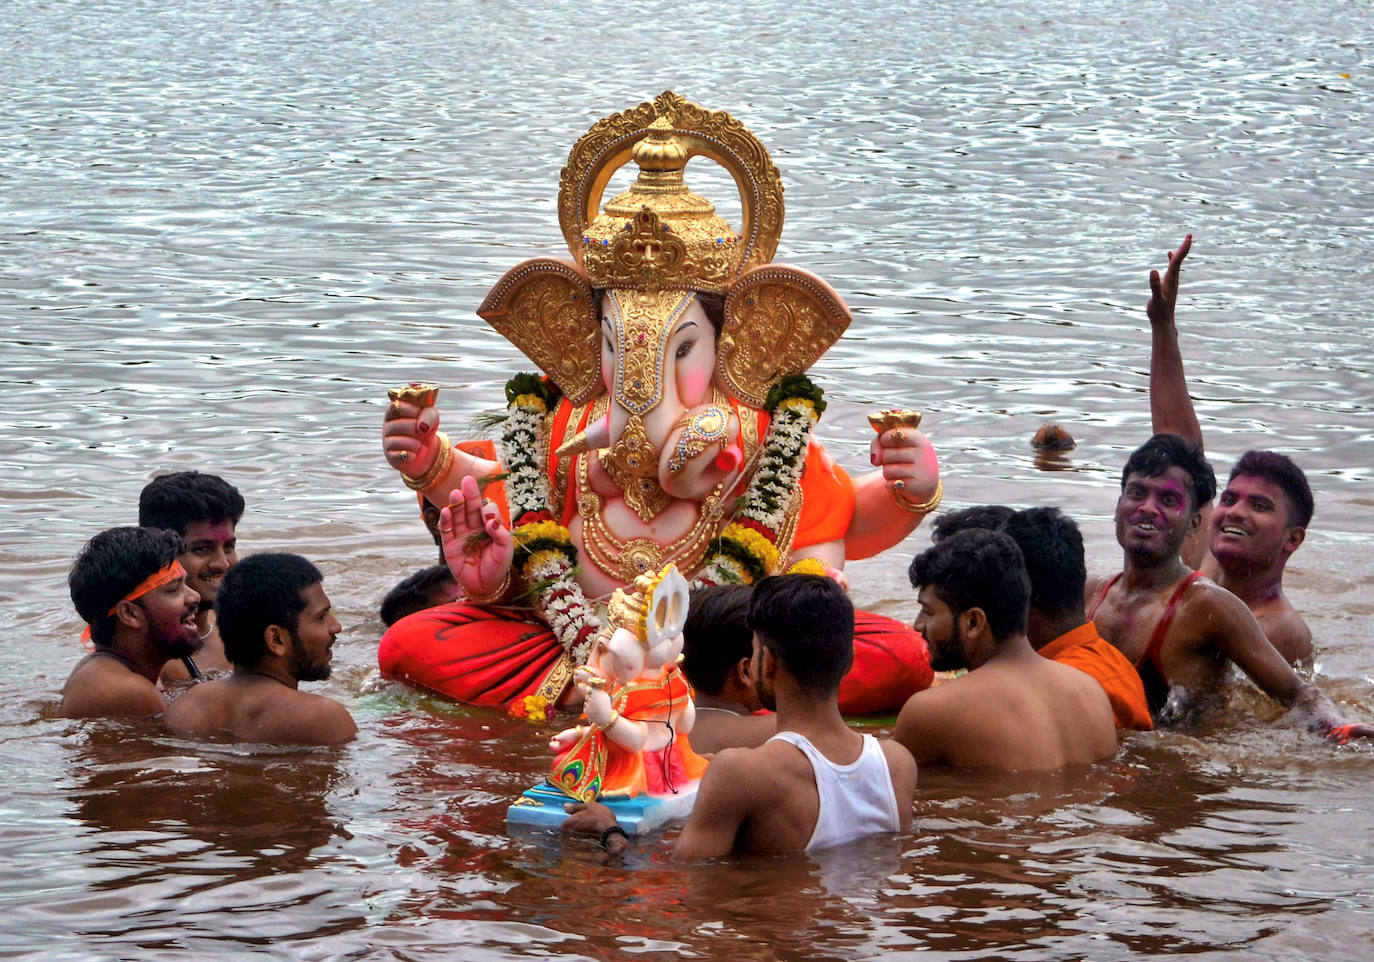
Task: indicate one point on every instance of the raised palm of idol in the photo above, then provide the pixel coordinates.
(672, 425)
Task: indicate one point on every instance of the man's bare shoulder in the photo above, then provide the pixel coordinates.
(303, 718)
(203, 710)
(1286, 630)
(103, 688)
(1207, 611)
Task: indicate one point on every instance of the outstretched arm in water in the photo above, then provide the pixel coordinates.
(1222, 620)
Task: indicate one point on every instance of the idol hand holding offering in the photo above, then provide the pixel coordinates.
(671, 422)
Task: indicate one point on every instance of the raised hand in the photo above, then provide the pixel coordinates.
(477, 545)
(1164, 290)
(410, 437)
(906, 456)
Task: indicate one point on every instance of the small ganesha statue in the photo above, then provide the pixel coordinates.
(636, 701)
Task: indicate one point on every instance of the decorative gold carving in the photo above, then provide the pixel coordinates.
(557, 679)
(643, 323)
(546, 309)
(661, 137)
(778, 321)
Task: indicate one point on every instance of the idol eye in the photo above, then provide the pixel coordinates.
(685, 348)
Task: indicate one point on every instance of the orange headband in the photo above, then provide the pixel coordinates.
(155, 580)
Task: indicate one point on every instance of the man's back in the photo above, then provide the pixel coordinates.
(1018, 713)
(255, 708)
(767, 798)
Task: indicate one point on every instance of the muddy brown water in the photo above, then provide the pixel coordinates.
(228, 227)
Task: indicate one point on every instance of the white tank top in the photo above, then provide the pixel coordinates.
(856, 799)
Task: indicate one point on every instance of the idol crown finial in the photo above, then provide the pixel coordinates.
(659, 235)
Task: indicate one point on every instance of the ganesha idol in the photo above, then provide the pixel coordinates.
(672, 423)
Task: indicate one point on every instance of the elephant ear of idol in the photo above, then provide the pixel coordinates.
(546, 309)
(779, 320)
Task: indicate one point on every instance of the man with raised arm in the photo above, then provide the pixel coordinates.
(1261, 517)
(1014, 709)
(131, 590)
(278, 629)
(817, 783)
(1181, 630)
(205, 510)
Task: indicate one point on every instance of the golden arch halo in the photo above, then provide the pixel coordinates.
(713, 134)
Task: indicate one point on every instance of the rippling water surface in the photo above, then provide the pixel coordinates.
(229, 226)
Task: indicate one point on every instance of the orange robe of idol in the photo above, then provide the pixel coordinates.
(596, 766)
(491, 655)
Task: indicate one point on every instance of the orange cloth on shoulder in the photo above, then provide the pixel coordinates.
(1084, 649)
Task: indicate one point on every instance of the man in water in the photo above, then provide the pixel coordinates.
(817, 783)
(1180, 630)
(426, 588)
(278, 629)
(1014, 709)
(1261, 517)
(205, 510)
(1056, 626)
(717, 653)
(129, 587)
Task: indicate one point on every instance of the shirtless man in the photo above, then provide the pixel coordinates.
(1056, 625)
(278, 630)
(205, 510)
(1180, 629)
(1262, 516)
(717, 653)
(817, 783)
(129, 587)
(1014, 709)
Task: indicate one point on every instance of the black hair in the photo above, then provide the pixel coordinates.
(807, 622)
(415, 593)
(989, 517)
(1052, 549)
(1280, 469)
(110, 566)
(177, 501)
(1165, 451)
(978, 569)
(258, 592)
(716, 635)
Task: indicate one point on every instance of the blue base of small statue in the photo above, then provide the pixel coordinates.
(542, 807)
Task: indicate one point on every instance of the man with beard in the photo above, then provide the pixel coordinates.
(1014, 709)
(205, 510)
(131, 590)
(1262, 516)
(817, 783)
(278, 630)
(1181, 630)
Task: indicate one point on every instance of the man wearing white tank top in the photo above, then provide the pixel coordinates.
(815, 784)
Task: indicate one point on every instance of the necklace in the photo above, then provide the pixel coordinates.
(628, 558)
(723, 711)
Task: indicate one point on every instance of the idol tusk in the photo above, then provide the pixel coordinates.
(595, 438)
